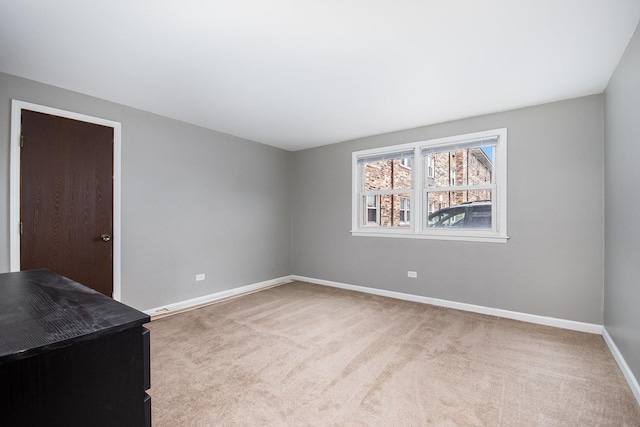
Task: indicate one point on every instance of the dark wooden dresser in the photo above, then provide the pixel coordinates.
(70, 356)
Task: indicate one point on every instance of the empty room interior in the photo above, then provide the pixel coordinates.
(325, 213)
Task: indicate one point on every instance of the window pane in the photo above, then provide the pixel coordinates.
(371, 207)
(387, 174)
(391, 214)
(371, 217)
(459, 209)
(406, 162)
(429, 166)
(405, 210)
(469, 166)
(388, 210)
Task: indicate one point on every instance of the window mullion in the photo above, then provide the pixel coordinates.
(416, 194)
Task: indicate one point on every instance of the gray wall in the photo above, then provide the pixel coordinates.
(189, 206)
(193, 201)
(551, 266)
(622, 206)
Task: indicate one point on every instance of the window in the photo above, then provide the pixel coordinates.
(372, 210)
(456, 191)
(430, 166)
(405, 210)
(386, 186)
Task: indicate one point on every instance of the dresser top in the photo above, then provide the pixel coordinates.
(41, 311)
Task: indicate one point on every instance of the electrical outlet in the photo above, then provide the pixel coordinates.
(199, 277)
(412, 274)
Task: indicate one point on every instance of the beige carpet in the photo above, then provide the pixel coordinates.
(307, 355)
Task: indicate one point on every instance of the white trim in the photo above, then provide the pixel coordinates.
(626, 371)
(400, 233)
(189, 304)
(525, 317)
(14, 188)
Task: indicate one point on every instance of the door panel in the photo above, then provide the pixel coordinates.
(66, 198)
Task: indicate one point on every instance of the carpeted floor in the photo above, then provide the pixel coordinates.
(308, 355)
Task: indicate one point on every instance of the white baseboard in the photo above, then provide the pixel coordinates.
(626, 371)
(181, 306)
(531, 318)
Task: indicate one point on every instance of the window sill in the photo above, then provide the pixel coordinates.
(486, 238)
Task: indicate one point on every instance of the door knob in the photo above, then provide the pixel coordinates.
(105, 237)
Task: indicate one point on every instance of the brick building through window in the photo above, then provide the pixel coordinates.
(392, 210)
(469, 166)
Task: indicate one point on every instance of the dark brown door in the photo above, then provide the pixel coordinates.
(66, 199)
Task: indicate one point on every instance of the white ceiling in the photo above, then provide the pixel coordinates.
(301, 73)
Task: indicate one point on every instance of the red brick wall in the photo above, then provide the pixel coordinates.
(388, 175)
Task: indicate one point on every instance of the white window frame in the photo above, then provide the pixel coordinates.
(366, 210)
(360, 192)
(418, 193)
(403, 209)
(431, 166)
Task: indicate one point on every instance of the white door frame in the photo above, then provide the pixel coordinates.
(14, 190)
